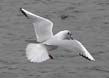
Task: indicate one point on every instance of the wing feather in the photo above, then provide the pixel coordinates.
(43, 27)
(72, 45)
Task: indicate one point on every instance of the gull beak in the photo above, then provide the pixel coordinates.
(71, 37)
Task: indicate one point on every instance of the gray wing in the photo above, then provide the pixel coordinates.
(72, 45)
(43, 27)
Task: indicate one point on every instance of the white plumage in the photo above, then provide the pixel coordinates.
(38, 52)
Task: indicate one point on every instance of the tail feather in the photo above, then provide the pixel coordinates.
(36, 53)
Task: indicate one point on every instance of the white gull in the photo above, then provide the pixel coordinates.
(38, 52)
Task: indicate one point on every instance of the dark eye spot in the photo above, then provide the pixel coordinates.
(68, 33)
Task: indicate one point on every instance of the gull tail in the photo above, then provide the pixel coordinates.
(37, 53)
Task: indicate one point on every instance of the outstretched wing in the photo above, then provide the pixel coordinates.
(71, 45)
(36, 53)
(43, 27)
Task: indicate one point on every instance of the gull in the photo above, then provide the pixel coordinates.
(46, 41)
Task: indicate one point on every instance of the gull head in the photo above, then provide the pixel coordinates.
(65, 34)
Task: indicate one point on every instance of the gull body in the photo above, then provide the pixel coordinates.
(38, 52)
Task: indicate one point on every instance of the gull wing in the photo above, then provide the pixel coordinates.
(36, 53)
(71, 45)
(43, 27)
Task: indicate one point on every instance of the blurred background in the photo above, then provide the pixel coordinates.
(88, 20)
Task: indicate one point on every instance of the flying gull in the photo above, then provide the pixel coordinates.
(46, 41)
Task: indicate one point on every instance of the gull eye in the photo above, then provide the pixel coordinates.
(68, 33)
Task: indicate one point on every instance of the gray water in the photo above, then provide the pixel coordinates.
(88, 20)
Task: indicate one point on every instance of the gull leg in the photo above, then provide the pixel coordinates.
(51, 57)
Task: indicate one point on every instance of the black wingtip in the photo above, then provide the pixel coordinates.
(85, 57)
(21, 9)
